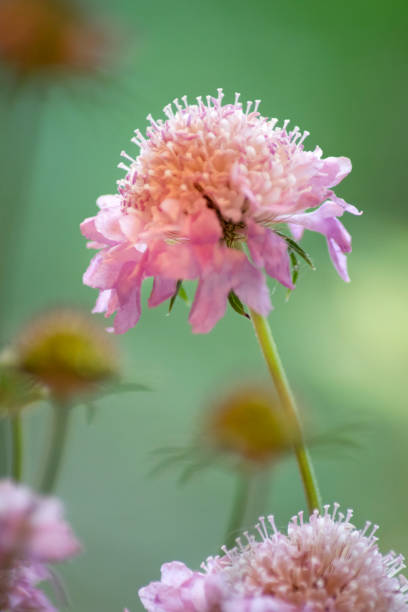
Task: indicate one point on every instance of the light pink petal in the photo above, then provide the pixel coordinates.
(128, 289)
(109, 201)
(89, 230)
(324, 220)
(106, 302)
(335, 169)
(251, 288)
(159, 597)
(131, 226)
(296, 231)
(107, 224)
(270, 251)
(128, 313)
(163, 289)
(180, 590)
(172, 261)
(339, 259)
(209, 303)
(105, 267)
(205, 228)
(350, 208)
(175, 573)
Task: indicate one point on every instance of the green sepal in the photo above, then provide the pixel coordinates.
(295, 272)
(180, 291)
(237, 305)
(295, 247)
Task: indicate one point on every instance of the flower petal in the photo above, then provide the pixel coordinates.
(251, 288)
(163, 289)
(324, 220)
(209, 303)
(270, 251)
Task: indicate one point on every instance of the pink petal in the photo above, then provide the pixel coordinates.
(324, 220)
(109, 201)
(89, 230)
(205, 228)
(336, 168)
(158, 597)
(209, 303)
(339, 259)
(131, 226)
(163, 289)
(128, 289)
(251, 288)
(270, 251)
(106, 302)
(175, 573)
(172, 261)
(107, 224)
(105, 267)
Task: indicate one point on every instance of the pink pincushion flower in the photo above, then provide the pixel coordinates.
(322, 565)
(32, 534)
(208, 179)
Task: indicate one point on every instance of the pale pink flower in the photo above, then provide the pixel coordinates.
(182, 590)
(321, 565)
(208, 179)
(33, 533)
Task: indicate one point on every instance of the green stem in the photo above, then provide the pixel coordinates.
(238, 509)
(57, 443)
(17, 440)
(271, 355)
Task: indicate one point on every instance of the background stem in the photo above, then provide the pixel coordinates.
(271, 355)
(17, 445)
(57, 443)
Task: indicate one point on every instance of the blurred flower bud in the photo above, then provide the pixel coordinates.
(65, 350)
(18, 390)
(50, 35)
(250, 424)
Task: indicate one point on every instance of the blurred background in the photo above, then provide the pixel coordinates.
(337, 71)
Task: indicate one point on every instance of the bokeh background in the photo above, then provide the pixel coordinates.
(338, 71)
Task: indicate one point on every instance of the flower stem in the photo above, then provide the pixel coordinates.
(271, 355)
(57, 443)
(238, 509)
(17, 441)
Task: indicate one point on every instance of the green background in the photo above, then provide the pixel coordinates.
(335, 69)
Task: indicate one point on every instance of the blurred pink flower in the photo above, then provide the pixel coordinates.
(208, 179)
(322, 565)
(32, 534)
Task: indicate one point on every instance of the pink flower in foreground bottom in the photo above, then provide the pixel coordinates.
(32, 534)
(323, 565)
(207, 180)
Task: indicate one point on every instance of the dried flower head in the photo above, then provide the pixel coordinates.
(321, 565)
(38, 36)
(66, 351)
(250, 423)
(18, 390)
(207, 180)
(33, 533)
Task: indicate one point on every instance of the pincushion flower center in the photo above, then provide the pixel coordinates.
(232, 232)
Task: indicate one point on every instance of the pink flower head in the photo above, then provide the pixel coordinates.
(321, 565)
(182, 590)
(32, 534)
(208, 179)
